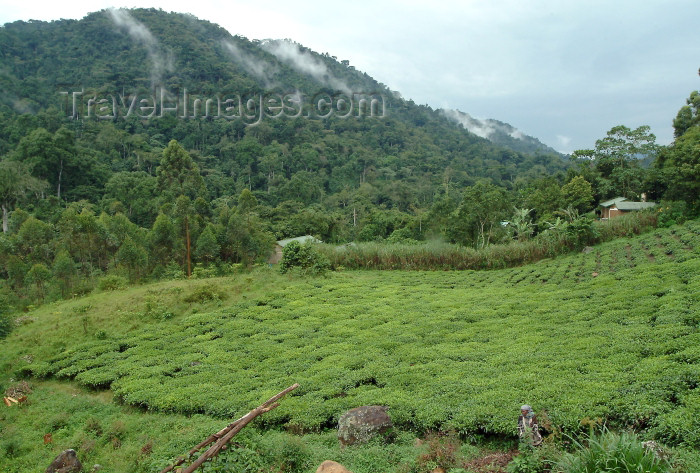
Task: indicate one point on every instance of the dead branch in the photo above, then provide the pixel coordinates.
(221, 438)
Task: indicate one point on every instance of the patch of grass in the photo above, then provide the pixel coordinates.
(612, 452)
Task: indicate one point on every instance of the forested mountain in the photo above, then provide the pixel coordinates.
(115, 62)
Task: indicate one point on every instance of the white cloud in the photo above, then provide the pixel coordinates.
(261, 70)
(160, 63)
(304, 62)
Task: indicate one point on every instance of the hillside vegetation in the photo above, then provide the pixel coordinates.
(610, 334)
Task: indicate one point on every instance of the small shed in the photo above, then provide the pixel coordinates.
(276, 255)
(619, 205)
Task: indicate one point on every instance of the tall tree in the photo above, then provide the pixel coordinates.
(178, 174)
(680, 169)
(180, 181)
(483, 207)
(578, 193)
(688, 115)
(48, 155)
(16, 183)
(616, 159)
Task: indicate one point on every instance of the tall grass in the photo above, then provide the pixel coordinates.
(613, 453)
(436, 255)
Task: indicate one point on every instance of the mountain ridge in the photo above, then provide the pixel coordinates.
(114, 78)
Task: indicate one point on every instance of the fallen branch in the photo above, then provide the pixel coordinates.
(222, 437)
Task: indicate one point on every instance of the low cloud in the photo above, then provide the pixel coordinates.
(473, 125)
(160, 63)
(260, 69)
(304, 62)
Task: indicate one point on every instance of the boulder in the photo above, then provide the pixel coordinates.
(360, 424)
(329, 466)
(66, 462)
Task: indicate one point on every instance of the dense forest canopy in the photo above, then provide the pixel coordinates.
(145, 142)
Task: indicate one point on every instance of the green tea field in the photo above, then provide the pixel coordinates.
(611, 334)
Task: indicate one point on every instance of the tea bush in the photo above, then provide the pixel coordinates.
(610, 334)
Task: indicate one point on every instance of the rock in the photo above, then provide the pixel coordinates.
(656, 449)
(329, 466)
(360, 424)
(66, 462)
(587, 250)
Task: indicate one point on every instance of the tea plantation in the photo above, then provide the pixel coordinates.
(610, 334)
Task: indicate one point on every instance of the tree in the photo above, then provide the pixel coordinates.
(207, 248)
(183, 211)
(35, 237)
(616, 160)
(162, 240)
(64, 270)
(137, 192)
(177, 174)
(47, 155)
(133, 257)
(16, 183)
(522, 224)
(578, 193)
(38, 275)
(246, 202)
(483, 207)
(688, 116)
(680, 169)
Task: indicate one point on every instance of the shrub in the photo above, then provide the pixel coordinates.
(305, 257)
(672, 213)
(204, 294)
(443, 452)
(6, 325)
(611, 452)
(112, 283)
(533, 459)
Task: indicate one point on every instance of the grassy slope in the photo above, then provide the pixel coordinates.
(459, 349)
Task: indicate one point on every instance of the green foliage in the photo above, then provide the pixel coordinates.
(207, 247)
(133, 257)
(362, 338)
(112, 283)
(304, 257)
(178, 174)
(612, 452)
(688, 116)
(679, 167)
(204, 294)
(38, 274)
(578, 193)
(7, 323)
(561, 238)
(671, 213)
(529, 461)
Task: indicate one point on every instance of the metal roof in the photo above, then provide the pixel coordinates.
(635, 205)
(610, 202)
(301, 239)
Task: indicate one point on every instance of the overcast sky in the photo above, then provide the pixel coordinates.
(562, 71)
